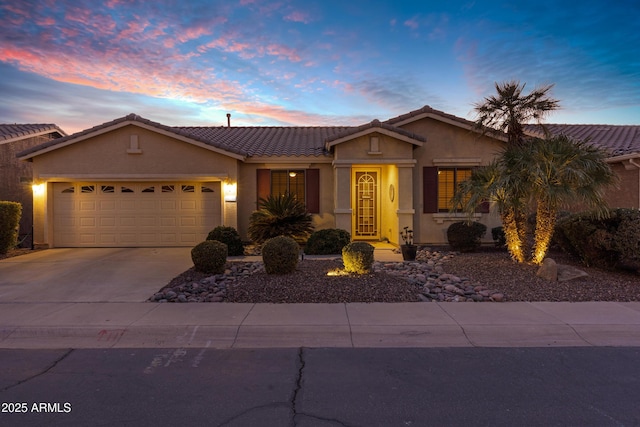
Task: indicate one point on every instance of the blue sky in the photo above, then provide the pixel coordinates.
(79, 63)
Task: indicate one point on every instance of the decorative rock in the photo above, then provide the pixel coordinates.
(497, 297)
(567, 272)
(426, 273)
(548, 270)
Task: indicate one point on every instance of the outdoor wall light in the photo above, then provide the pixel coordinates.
(38, 189)
(230, 190)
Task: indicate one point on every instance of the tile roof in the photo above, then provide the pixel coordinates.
(244, 141)
(615, 139)
(21, 131)
(270, 141)
(125, 120)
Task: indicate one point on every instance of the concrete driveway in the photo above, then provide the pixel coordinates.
(91, 274)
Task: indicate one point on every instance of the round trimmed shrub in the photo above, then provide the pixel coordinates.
(280, 255)
(327, 242)
(465, 237)
(230, 237)
(209, 256)
(357, 257)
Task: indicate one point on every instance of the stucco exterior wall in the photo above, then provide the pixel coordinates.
(627, 194)
(15, 180)
(447, 146)
(107, 154)
(248, 191)
(360, 149)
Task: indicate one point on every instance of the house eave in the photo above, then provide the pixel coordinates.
(119, 125)
(380, 130)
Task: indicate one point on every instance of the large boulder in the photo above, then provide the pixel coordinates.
(554, 272)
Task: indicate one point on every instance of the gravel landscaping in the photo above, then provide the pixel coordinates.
(437, 275)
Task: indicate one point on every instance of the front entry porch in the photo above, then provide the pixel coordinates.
(374, 202)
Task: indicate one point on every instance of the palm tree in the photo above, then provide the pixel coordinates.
(538, 177)
(509, 110)
(497, 184)
(563, 171)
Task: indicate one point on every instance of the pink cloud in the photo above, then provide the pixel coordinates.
(412, 23)
(298, 17)
(282, 51)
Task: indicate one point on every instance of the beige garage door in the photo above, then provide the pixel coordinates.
(117, 214)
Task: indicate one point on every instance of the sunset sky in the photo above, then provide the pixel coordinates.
(79, 63)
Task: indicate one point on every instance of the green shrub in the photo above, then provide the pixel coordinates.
(230, 237)
(327, 242)
(10, 213)
(280, 216)
(612, 242)
(627, 239)
(497, 234)
(465, 237)
(357, 257)
(209, 256)
(280, 255)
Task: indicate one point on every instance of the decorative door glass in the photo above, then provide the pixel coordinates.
(366, 205)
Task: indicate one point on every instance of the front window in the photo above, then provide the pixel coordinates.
(288, 181)
(448, 180)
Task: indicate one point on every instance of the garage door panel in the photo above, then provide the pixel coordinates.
(127, 221)
(147, 205)
(87, 206)
(188, 205)
(191, 239)
(88, 238)
(188, 221)
(168, 222)
(168, 205)
(88, 221)
(134, 214)
(107, 238)
(127, 205)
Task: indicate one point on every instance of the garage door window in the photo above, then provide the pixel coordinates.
(108, 188)
(168, 188)
(188, 189)
(149, 189)
(88, 189)
(124, 189)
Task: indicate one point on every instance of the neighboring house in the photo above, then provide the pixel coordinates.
(134, 182)
(622, 142)
(15, 175)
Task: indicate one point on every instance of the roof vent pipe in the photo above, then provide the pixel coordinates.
(228, 120)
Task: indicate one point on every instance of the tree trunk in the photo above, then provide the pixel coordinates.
(512, 235)
(545, 224)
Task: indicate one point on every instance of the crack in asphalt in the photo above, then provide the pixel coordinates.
(298, 389)
(47, 369)
(298, 392)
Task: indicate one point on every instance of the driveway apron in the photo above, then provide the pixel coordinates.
(90, 274)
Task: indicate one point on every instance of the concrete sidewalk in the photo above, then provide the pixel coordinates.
(225, 325)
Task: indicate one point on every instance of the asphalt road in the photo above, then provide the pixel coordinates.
(576, 386)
